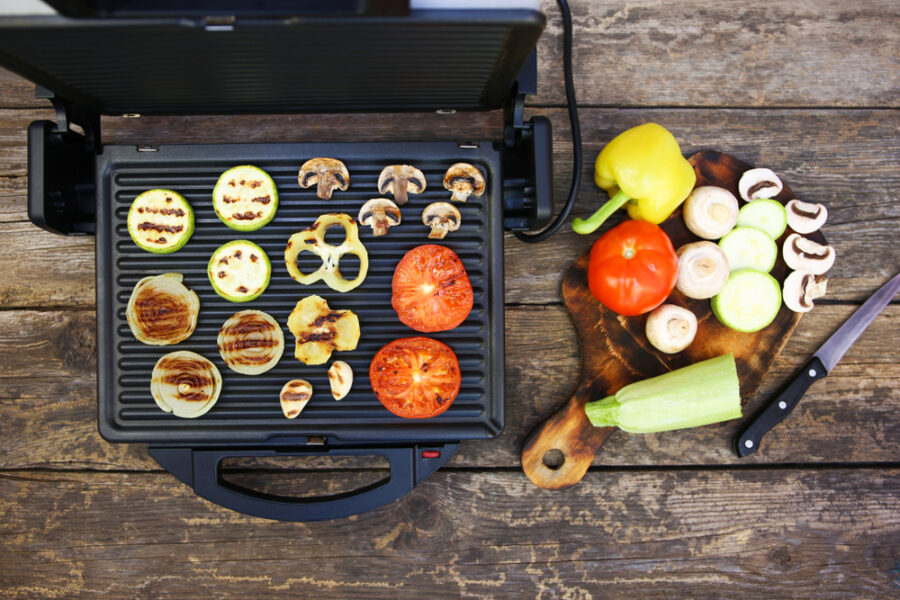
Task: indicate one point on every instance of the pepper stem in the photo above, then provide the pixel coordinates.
(590, 225)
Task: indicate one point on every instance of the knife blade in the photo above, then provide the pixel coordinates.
(821, 363)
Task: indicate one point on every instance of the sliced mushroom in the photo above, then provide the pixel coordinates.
(671, 328)
(805, 217)
(803, 254)
(294, 396)
(801, 288)
(327, 173)
(710, 212)
(381, 214)
(340, 376)
(702, 270)
(463, 180)
(400, 180)
(759, 183)
(442, 217)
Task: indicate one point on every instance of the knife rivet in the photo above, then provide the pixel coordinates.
(782, 405)
(812, 372)
(748, 443)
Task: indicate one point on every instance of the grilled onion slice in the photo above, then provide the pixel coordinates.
(251, 342)
(185, 384)
(161, 310)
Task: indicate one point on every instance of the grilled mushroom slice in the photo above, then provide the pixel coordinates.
(401, 180)
(759, 183)
(340, 376)
(162, 310)
(185, 384)
(801, 288)
(463, 180)
(381, 214)
(803, 254)
(805, 217)
(671, 328)
(327, 174)
(320, 330)
(294, 396)
(442, 217)
(702, 270)
(250, 342)
(710, 212)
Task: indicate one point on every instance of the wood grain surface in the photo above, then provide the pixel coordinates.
(807, 88)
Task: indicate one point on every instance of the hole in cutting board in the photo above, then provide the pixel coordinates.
(554, 459)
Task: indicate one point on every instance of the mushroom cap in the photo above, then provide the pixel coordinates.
(759, 183)
(379, 206)
(310, 170)
(801, 288)
(805, 217)
(803, 254)
(442, 212)
(702, 270)
(464, 175)
(671, 328)
(710, 212)
(415, 179)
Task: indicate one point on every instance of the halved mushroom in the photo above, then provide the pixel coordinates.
(340, 376)
(463, 180)
(327, 173)
(442, 217)
(710, 212)
(805, 217)
(759, 183)
(381, 214)
(294, 396)
(801, 288)
(400, 180)
(671, 328)
(803, 254)
(702, 270)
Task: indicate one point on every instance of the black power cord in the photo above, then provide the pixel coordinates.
(532, 238)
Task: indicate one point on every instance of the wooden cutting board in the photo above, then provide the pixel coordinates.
(615, 350)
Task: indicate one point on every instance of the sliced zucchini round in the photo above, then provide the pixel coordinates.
(239, 271)
(245, 198)
(160, 221)
(749, 248)
(768, 215)
(749, 301)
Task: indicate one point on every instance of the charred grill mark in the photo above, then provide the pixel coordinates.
(325, 336)
(178, 212)
(329, 318)
(289, 244)
(223, 260)
(161, 240)
(162, 316)
(251, 325)
(228, 199)
(148, 226)
(247, 216)
(255, 184)
(312, 242)
(140, 210)
(243, 290)
(222, 274)
(295, 397)
(231, 183)
(262, 199)
(168, 199)
(254, 258)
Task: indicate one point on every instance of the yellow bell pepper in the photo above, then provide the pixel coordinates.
(644, 167)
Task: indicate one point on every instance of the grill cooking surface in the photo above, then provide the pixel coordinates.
(248, 409)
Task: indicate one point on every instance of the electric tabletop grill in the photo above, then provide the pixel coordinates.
(377, 56)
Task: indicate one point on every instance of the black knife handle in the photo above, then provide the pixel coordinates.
(781, 406)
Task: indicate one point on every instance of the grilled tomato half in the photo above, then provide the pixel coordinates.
(431, 290)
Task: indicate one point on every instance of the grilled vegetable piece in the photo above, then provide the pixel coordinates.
(463, 180)
(340, 376)
(700, 394)
(239, 271)
(415, 377)
(161, 310)
(160, 221)
(442, 217)
(381, 214)
(327, 174)
(401, 180)
(749, 248)
(748, 302)
(320, 330)
(185, 384)
(245, 198)
(431, 290)
(250, 342)
(312, 240)
(295, 395)
(768, 215)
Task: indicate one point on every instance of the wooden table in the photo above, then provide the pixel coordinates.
(810, 89)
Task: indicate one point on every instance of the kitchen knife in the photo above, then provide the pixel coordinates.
(818, 367)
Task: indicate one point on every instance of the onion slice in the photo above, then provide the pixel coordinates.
(161, 310)
(251, 342)
(185, 384)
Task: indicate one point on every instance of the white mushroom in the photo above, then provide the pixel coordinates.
(805, 217)
(759, 183)
(801, 288)
(671, 328)
(702, 270)
(803, 254)
(381, 214)
(328, 174)
(710, 212)
(462, 179)
(294, 396)
(401, 180)
(340, 376)
(442, 217)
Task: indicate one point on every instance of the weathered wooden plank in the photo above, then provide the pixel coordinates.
(464, 535)
(48, 398)
(17, 92)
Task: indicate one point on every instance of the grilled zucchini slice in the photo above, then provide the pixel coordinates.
(160, 221)
(239, 271)
(245, 198)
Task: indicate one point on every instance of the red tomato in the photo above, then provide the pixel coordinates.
(633, 268)
(415, 377)
(431, 289)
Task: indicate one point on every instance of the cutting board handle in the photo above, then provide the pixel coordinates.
(559, 451)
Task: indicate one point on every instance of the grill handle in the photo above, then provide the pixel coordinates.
(201, 469)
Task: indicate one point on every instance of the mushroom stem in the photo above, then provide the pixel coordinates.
(589, 225)
(323, 186)
(399, 185)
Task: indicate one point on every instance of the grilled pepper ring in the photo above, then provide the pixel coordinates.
(313, 240)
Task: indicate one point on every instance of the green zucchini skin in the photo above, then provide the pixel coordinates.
(141, 201)
(222, 186)
(745, 292)
(213, 268)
